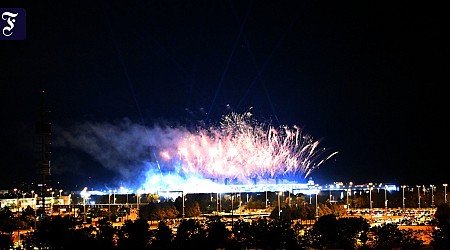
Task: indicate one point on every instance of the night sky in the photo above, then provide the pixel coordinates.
(362, 76)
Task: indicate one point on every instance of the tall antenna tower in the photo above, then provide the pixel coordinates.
(43, 132)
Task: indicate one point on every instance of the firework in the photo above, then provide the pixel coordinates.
(237, 151)
(240, 150)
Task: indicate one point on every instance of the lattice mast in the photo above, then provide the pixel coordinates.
(43, 132)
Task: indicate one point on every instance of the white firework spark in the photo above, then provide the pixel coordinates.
(241, 149)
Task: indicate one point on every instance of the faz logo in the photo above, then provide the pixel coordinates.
(12, 24)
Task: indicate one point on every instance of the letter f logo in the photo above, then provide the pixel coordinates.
(10, 19)
(13, 24)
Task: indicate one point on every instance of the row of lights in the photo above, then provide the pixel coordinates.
(403, 189)
(35, 195)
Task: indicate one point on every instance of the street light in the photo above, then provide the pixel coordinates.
(53, 201)
(109, 205)
(138, 197)
(126, 192)
(32, 198)
(418, 194)
(182, 196)
(232, 213)
(370, 198)
(84, 194)
(17, 202)
(317, 208)
(220, 201)
(60, 201)
(217, 203)
(432, 195)
(445, 192)
(23, 200)
(35, 201)
(348, 205)
(385, 198)
(403, 187)
(138, 205)
(84, 209)
(349, 190)
(279, 205)
(35, 208)
(266, 199)
(70, 203)
(240, 207)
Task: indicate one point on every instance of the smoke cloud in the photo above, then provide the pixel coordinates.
(125, 148)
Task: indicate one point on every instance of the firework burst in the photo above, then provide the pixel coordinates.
(240, 149)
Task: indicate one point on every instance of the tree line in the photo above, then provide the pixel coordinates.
(283, 229)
